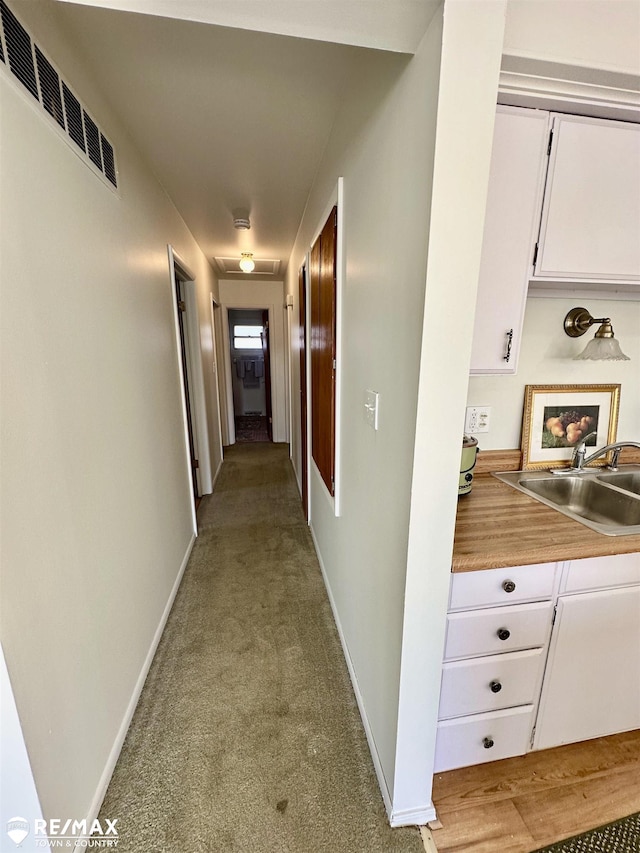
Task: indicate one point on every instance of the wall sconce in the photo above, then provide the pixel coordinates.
(604, 346)
(247, 263)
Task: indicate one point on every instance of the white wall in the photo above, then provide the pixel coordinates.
(261, 294)
(382, 144)
(96, 516)
(546, 357)
(599, 34)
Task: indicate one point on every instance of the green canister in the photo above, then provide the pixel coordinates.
(467, 464)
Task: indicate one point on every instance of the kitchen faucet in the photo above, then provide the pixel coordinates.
(579, 459)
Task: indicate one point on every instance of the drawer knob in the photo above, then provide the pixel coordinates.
(495, 686)
(487, 742)
(509, 586)
(504, 633)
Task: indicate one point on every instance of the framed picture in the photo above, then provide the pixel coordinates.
(558, 417)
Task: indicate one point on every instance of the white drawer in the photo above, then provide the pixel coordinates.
(502, 586)
(483, 737)
(490, 683)
(601, 573)
(471, 633)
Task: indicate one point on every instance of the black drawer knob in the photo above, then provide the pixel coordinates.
(504, 633)
(495, 686)
(509, 586)
(487, 742)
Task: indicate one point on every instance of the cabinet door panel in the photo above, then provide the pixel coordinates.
(591, 213)
(592, 681)
(512, 220)
(485, 684)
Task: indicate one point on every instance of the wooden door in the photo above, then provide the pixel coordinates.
(302, 327)
(267, 371)
(322, 279)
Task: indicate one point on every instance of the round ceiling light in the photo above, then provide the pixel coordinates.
(247, 263)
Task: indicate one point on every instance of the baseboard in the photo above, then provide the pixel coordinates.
(421, 815)
(377, 764)
(103, 784)
(215, 477)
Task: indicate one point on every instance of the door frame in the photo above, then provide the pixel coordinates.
(179, 271)
(220, 399)
(257, 306)
(305, 409)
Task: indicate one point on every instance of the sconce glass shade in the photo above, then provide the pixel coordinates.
(246, 262)
(604, 346)
(602, 349)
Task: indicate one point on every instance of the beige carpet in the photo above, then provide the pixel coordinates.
(247, 736)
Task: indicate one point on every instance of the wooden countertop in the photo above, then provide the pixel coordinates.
(499, 526)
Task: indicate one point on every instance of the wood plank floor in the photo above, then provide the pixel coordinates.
(521, 804)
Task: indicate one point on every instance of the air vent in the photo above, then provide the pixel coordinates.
(49, 88)
(73, 112)
(19, 50)
(27, 62)
(93, 141)
(262, 266)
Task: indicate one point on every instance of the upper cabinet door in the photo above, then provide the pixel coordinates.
(591, 214)
(516, 181)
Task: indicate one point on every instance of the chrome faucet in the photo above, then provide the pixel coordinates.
(579, 459)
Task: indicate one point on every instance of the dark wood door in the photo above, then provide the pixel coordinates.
(322, 276)
(302, 327)
(267, 371)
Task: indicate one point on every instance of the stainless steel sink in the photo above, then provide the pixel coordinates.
(606, 502)
(629, 481)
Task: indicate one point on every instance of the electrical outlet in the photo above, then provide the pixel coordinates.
(477, 419)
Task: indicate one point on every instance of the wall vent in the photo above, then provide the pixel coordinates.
(28, 64)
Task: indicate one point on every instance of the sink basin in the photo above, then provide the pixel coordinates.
(630, 481)
(608, 503)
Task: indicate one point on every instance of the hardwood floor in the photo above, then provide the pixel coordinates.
(520, 804)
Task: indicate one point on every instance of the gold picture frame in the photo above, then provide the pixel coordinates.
(557, 418)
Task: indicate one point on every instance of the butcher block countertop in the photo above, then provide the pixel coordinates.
(499, 526)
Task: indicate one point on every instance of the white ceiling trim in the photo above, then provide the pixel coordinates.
(229, 266)
(555, 86)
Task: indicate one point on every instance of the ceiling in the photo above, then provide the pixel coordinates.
(228, 118)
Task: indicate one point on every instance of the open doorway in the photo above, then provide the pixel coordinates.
(250, 374)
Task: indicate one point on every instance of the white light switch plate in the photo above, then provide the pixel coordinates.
(371, 408)
(477, 419)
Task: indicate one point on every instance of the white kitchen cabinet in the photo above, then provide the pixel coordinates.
(516, 181)
(498, 630)
(590, 226)
(592, 681)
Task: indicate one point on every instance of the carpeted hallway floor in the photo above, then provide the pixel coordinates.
(247, 736)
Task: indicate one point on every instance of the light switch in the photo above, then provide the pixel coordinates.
(371, 408)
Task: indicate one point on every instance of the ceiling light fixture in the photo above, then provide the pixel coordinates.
(604, 346)
(247, 263)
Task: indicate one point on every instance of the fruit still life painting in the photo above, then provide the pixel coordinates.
(563, 427)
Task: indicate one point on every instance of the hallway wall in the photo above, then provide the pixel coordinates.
(383, 146)
(96, 513)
